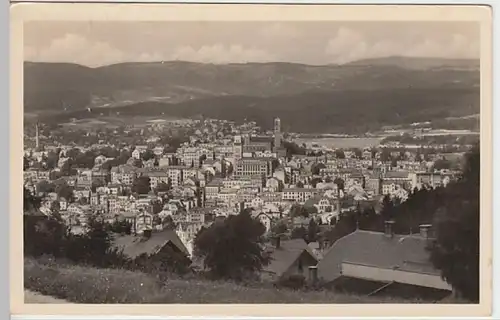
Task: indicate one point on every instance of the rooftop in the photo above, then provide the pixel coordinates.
(133, 246)
(405, 252)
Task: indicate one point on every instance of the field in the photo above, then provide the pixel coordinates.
(343, 143)
(78, 284)
(118, 121)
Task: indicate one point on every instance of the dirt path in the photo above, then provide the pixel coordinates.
(35, 297)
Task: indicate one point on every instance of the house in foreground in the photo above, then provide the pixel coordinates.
(289, 258)
(383, 260)
(150, 244)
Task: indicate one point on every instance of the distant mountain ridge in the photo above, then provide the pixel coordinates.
(60, 86)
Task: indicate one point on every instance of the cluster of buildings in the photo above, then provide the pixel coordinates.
(207, 180)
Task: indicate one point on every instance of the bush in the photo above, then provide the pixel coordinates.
(80, 284)
(50, 236)
(89, 285)
(294, 282)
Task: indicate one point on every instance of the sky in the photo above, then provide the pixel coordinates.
(98, 43)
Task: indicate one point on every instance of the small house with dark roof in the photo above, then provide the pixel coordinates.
(289, 258)
(150, 243)
(382, 257)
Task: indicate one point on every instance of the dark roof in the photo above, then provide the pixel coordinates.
(284, 256)
(375, 249)
(134, 246)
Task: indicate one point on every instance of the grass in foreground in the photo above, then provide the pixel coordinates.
(80, 284)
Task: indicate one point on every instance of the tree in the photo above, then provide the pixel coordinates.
(26, 163)
(64, 191)
(156, 207)
(169, 223)
(97, 184)
(314, 182)
(148, 155)
(385, 156)
(293, 148)
(312, 231)
(45, 187)
(95, 246)
(73, 153)
(137, 163)
(455, 250)
(30, 202)
(441, 164)
(141, 185)
(121, 227)
(164, 187)
(44, 235)
(232, 248)
(279, 228)
(339, 154)
(315, 168)
(358, 153)
(85, 160)
(52, 160)
(394, 162)
(311, 209)
(340, 183)
(299, 184)
(298, 210)
(67, 169)
(387, 212)
(299, 233)
(55, 207)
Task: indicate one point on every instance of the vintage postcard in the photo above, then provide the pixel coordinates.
(258, 160)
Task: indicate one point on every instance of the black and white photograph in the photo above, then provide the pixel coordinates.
(252, 162)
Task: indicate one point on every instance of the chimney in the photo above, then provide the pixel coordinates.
(313, 274)
(424, 230)
(389, 228)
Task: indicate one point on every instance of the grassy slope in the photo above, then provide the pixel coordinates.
(89, 285)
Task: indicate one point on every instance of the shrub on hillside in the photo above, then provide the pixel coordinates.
(44, 235)
(232, 248)
(88, 285)
(294, 282)
(50, 236)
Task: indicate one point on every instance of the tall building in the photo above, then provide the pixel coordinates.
(277, 133)
(237, 148)
(37, 138)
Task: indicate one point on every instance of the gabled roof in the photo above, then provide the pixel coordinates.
(375, 249)
(284, 256)
(134, 246)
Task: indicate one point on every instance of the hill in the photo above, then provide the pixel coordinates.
(406, 89)
(81, 284)
(53, 86)
(421, 63)
(353, 111)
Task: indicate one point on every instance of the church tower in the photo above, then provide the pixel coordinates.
(37, 137)
(277, 134)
